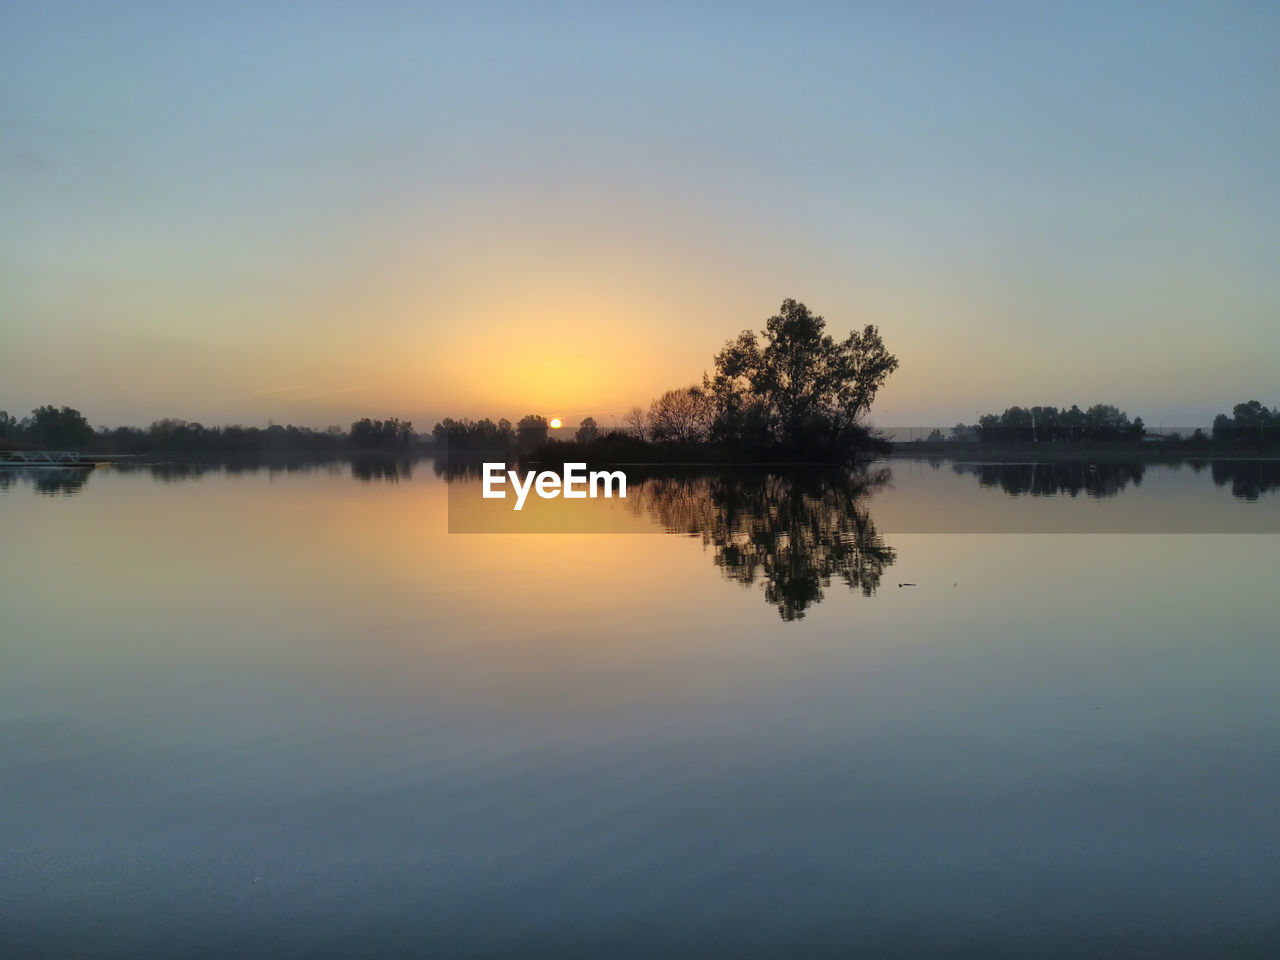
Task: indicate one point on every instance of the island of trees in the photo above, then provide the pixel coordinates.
(1102, 421)
(791, 392)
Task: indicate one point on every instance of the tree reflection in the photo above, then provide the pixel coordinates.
(1249, 479)
(51, 481)
(170, 472)
(1050, 479)
(793, 532)
(176, 471)
(465, 466)
(381, 469)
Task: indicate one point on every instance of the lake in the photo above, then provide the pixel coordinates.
(927, 709)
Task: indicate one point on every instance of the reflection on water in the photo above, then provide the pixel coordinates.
(450, 468)
(1050, 479)
(70, 480)
(1249, 479)
(283, 713)
(50, 481)
(381, 469)
(793, 532)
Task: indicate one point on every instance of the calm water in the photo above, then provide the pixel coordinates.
(287, 714)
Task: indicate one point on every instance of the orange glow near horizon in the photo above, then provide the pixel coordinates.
(572, 229)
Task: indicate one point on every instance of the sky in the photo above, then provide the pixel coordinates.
(242, 212)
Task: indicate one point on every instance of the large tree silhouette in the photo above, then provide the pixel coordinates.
(795, 386)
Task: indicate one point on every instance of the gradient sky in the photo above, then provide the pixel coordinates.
(232, 212)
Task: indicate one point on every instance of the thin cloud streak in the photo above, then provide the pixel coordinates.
(275, 391)
(323, 394)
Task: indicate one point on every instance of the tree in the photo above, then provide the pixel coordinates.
(393, 432)
(51, 428)
(1253, 421)
(531, 431)
(740, 415)
(1044, 423)
(797, 387)
(1103, 421)
(1015, 424)
(366, 432)
(935, 436)
(635, 423)
(1072, 423)
(1250, 422)
(587, 430)
(683, 416)
(403, 434)
(481, 434)
(10, 429)
(179, 435)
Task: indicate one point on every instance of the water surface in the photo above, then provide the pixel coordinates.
(273, 713)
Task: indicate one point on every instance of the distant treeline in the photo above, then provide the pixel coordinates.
(65, 428)
(1250, 424)
(485, 435)
(382, 434)
(1046, 424)
(791, 392)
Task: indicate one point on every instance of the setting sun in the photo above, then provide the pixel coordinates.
(555, 423)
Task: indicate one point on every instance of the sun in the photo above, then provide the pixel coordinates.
(555, 423)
